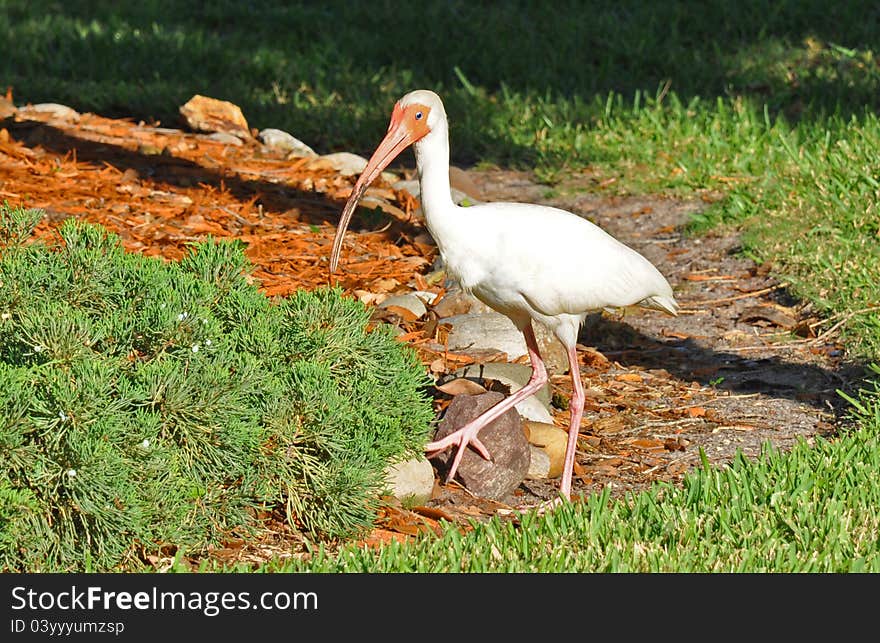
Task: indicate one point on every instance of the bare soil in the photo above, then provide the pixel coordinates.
(743, 365)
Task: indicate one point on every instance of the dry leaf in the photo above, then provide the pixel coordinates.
(404, 313)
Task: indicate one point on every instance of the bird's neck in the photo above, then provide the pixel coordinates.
(432, 161)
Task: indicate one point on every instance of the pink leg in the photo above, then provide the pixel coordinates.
(468, 433)
(576, 404)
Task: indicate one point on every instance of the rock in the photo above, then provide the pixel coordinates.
(457, 302)
(485, 330)
(504, 438)
(225, 138)
(539, 465)
(411, 482)
(513, 377)
(206, 114)
(769, 314)
(281, 140)
(459, 197)
(346, 163)
(552, 351)
(409, 302)
(460, 180)
(7, 108)
(532, 409)
(477, 325)
(55, 110)
(550, 439)
(427, 297)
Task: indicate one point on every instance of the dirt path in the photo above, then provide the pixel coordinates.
(741, 366)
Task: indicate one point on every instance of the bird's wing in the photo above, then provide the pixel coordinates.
(562, 263)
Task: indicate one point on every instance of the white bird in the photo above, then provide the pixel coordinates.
(528, 262)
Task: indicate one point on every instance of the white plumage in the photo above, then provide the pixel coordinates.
(528, 262)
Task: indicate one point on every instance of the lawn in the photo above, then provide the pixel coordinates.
(767, 109)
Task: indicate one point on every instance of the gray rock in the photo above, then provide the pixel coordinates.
(411, 482)
(409, 301)
(504, 438)
(281, 140)
(492, 330)
(489, 330)
(56, 110)
(539, 465)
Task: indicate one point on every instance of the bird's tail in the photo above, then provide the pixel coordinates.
(664, 303)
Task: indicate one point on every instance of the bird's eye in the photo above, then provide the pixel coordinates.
(419, 116)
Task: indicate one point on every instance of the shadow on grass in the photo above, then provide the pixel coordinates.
(329, 71)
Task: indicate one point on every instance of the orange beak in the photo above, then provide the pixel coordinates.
(400, 136)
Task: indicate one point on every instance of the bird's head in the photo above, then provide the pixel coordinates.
(413, 118)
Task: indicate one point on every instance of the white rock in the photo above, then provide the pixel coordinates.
(425, 296)
(409, 301)
(281, 140)
(62, 112)
(348, 164)
(532, 409)
(411, 481)
(225, 138)
(539, 465)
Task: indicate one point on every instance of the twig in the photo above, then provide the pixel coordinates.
(792, 345)
(240, 218)
(822, 336)
(686, 456)
(746, 295)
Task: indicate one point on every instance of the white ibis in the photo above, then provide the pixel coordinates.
(528, 262)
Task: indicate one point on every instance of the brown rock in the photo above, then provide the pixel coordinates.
(552, 440)
(7, 109)
(460, 180)
(457, 302)
(504, 438)
(211, 115)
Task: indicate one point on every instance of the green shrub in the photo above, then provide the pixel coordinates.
(146, 404)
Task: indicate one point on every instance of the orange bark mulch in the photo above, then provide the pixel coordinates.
(160, 189)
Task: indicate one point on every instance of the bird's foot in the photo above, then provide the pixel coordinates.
(467, 435)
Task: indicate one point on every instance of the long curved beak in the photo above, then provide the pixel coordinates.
(398, 138)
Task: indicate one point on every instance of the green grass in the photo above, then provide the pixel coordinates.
(767, 109)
